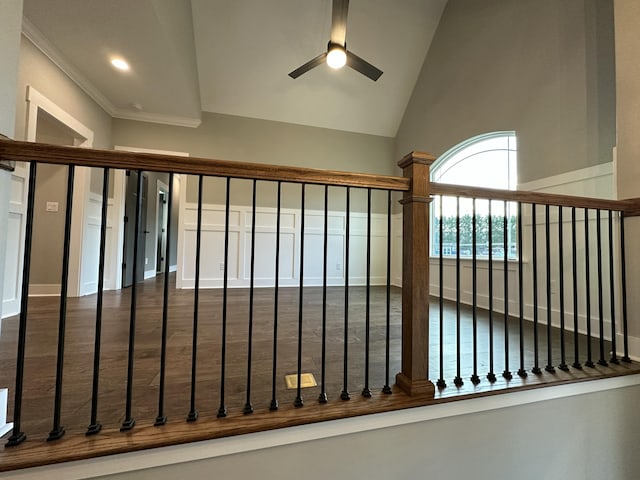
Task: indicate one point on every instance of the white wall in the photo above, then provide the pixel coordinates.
(240, 218)
(10, 24)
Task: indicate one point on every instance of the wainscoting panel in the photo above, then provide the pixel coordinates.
(240, 219)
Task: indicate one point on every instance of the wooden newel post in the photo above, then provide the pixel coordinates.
(415, 276)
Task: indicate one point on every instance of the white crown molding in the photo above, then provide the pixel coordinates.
(42, 43)
(157, 118)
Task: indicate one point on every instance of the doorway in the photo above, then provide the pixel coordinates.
(131, 199)
(47, 122)
(161, 227)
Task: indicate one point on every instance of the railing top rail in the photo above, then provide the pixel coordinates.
(27, 151)
(627, 206)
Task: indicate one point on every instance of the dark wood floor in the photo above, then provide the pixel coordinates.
(40, 364)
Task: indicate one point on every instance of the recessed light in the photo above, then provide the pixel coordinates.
(120, 64)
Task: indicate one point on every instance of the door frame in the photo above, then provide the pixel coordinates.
(119, 203)
(161, 187)
(81, 189)
(85, 136)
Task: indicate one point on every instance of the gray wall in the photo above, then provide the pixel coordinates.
(586, 437)
(534, 67)
(40, 72)
(48, 227)
(228, 137)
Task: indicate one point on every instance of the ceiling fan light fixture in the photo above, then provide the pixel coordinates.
(336, 56)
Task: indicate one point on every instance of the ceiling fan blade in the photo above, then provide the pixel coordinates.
(363, 66)
(339, 21)
(309, 65)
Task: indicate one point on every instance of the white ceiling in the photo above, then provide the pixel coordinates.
(233, 57)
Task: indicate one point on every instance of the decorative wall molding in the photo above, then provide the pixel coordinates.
(212, 265)
(578, 182)
(35, 36)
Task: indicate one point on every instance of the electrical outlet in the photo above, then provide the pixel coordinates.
(222, 266)
(554, 287)
(338, 267)
(146, 261)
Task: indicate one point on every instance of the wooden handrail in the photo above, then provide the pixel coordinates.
(18, 151)
(630, 207)
(27, 151)
(633, 207)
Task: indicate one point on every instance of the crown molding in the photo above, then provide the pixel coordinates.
(163, 119)
(42, 43)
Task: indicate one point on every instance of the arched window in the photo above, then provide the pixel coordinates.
(490, 161)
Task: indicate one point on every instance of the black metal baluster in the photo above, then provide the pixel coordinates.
(505, 232)
(298, 401)
(322, 398)
(623, 288)
(522, 372)
(387, 389)
(161, 419)
(614, 355)
(94, 426)
(193, 413)
(248, 408)
(534, 265)
(129, 422)
(17, 437)
(491, 376)
(366, 392)
(58, 430)
(547, 238)
(441, 383)
(576, 336)
(274, 400)
(563, 363)
(475, 379)
(344, 395)
(458, 382)
(222, 409)
(589, 362)
(601, 360)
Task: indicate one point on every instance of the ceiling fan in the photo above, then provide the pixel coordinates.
(337, 54)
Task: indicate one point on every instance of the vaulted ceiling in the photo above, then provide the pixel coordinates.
(233, 57)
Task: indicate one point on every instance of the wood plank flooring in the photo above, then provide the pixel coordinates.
(40, 364)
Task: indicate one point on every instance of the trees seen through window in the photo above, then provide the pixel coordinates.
(490, 161)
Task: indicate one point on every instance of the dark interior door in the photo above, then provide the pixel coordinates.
(129, 229)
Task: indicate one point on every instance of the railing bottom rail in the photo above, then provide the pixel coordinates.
(75, 447)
